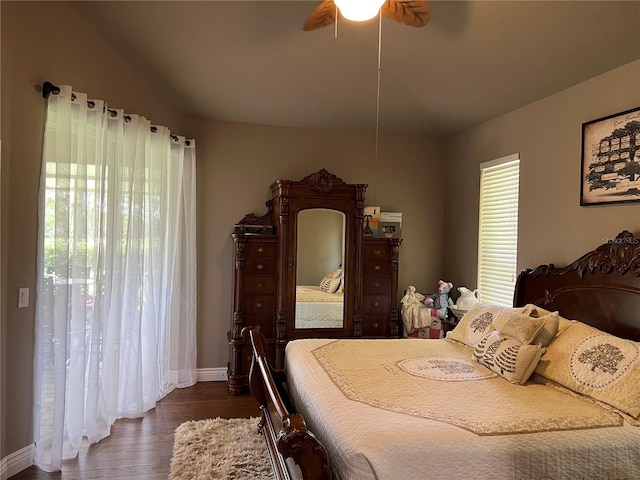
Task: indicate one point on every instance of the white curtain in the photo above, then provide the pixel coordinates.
(116, 292)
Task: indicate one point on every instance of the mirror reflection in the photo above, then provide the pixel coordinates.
(319, 272)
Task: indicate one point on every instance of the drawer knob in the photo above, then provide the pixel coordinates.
(376, 284)
(259, 266)
(258, 305)
(377, 252)
(375, 324)
(376, 304)
(260, 249)
(259, 284)
(376, 267)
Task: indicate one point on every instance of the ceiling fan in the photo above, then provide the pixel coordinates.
(415, 13)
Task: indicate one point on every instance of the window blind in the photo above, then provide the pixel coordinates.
(498, 229)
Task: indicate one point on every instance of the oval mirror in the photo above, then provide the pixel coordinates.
(319, 273)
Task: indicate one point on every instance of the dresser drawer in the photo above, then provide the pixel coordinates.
(258, 304)
(259, 284)
(260, 249)
(374, 285)
(376, 326)
(372, 304)
(261, 266)
(373, 251)
(376, 267)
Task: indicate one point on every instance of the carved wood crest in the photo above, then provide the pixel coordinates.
(253, 219)
(621, 254)
(322, 181)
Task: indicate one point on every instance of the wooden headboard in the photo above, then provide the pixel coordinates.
(601, 288)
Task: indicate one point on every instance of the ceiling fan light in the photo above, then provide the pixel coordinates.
(359, 10)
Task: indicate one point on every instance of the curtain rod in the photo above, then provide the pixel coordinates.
(47, 88)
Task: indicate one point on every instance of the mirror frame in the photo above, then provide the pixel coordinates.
(317, 190)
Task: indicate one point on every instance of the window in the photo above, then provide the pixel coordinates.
(498, 229)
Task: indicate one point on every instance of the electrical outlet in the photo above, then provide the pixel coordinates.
(23, 297)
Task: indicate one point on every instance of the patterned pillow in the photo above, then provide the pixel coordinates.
(523, 328)
(560, 324)
(596, 364)
(329, 284)
(506, 356)
(335, 273)
(478, 321)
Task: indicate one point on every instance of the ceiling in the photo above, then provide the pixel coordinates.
(250, 61)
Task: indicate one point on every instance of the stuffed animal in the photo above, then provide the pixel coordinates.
(441, 300)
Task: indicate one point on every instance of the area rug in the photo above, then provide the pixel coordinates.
(220, 449)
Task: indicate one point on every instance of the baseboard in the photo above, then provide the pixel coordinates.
(16, 462)
(218, 374)
(23, 459)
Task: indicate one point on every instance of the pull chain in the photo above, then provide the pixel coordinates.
(375, 171)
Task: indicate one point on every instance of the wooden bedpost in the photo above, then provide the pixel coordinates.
(285, 432)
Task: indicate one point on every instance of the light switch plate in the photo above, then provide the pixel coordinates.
(23, 297)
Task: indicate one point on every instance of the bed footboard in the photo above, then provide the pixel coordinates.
(294, 451)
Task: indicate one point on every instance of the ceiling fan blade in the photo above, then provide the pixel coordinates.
(323, 15)
(415, 13)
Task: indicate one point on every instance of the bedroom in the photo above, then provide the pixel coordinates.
(438, 241)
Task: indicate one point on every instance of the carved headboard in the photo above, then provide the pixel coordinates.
(601, 288)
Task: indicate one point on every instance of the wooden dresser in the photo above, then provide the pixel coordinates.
(254, 300)
(380, 287)
(267, 255)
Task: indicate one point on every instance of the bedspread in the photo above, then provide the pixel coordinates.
(368, 441)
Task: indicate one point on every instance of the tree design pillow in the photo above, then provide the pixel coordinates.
(479, 320)
(596, 364)
(508, 357)
(330, 285)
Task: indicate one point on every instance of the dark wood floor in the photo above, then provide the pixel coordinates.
(141, 448)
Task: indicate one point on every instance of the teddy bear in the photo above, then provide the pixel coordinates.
(441, 300)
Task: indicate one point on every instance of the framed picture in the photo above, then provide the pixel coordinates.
(610, 170)
(371, 220)
(390, 225)
(389, 229)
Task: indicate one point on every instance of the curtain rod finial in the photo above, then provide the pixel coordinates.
(47, 88)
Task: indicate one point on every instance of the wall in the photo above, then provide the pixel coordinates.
(45, 41)
(553, 227)
(237, 163)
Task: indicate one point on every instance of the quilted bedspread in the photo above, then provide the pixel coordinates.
(409, 431)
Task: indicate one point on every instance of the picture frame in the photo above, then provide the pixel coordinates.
(371, 220)
(610, 168)
(389, 230)
(390, 225)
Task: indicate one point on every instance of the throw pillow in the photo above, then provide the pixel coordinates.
(335, 273)
(596, 364)
(506, 356)
(539, 312)
(523, 328)
(478, 321)
(329, 284)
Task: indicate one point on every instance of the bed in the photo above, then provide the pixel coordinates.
(318, 308)
(468, 406)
